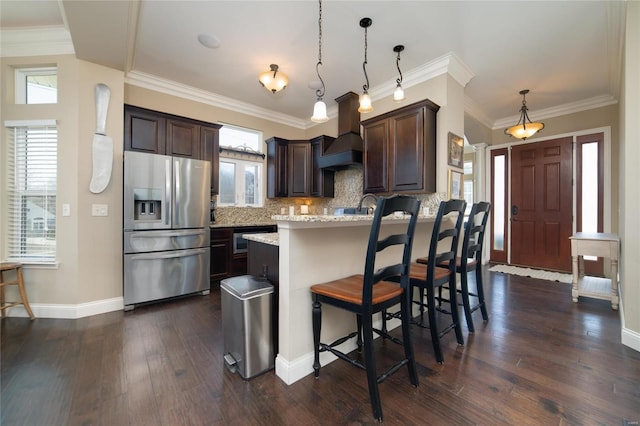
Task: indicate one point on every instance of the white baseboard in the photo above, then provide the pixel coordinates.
(631, 339)
(45, 310)
(294, 370)
(628, 337)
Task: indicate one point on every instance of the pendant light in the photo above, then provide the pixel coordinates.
(273, 80)
(525, 128)
(398, 94)
(365, 99)
(319, 108)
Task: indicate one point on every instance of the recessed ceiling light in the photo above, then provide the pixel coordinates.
(209, 40)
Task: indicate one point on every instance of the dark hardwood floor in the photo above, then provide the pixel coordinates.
(540, 359)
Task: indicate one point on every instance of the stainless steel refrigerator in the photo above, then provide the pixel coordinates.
(166, 227)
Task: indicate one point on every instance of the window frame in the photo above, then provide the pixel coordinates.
(18, 181)
(242, 157)
(21, 85)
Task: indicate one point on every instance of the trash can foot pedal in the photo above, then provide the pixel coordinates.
(231, 363)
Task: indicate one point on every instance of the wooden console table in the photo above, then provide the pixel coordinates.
(601, 245)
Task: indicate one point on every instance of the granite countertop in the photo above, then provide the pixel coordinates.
(270, 238)
(330, 221)
(341, 218)
(238, 226)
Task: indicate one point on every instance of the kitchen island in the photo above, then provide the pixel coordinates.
(315, 249)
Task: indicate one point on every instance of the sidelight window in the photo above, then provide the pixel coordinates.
(499, 205)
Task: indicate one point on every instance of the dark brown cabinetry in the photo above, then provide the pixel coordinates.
(183, 138)
(221, 254)
(144, 130)
(299, 169)
(159, 133)
(399, 150)
(210, 150)
(277, 168)
(227, 259)
(292, 168)
(322, 181)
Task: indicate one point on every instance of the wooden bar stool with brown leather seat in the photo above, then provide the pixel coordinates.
(6, 267)
(443, 248)
(470, 260)
(370, 293)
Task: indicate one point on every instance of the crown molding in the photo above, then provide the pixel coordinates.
(448, 63)
(151, 82)
(36, 42)
(474, 110)
(570, 108)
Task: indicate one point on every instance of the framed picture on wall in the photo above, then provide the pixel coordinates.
(455, 150)
(456, 185)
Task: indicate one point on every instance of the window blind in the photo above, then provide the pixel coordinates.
(31, 192)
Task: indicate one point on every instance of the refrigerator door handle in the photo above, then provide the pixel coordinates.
(167, 234)
(169, 255)
(167, 192)
(177, 195)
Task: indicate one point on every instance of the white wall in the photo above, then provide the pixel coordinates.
(629, 176)
(89, 248)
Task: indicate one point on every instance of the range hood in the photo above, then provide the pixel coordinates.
(346, 150)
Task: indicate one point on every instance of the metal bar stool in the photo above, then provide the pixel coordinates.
(4, 267)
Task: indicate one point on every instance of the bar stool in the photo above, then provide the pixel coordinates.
(369, 293)
(10, 266)
(470, 260)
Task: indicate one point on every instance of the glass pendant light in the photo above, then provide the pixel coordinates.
(273, 80)
(365, 99)
(525, 128)
(319, 108)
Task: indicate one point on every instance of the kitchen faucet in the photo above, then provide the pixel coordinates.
(370, 210)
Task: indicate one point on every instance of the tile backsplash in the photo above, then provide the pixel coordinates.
(348, 190)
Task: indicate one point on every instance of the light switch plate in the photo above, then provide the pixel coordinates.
(99, 210)
(66, 210)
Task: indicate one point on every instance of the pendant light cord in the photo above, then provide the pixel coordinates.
(320, 92)
(398, 80)
(365, 88)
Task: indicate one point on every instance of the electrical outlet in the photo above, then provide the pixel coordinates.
(99, 210)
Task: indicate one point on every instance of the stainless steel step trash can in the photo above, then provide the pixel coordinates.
(247, 315)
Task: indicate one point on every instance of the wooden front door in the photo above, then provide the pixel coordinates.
(541, 204)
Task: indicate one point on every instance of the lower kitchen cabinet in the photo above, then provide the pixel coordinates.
(221, 254)
(229, 259)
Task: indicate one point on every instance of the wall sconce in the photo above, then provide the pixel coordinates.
(319, 108)
(273, 80)
(365, 99)
(524, 130)
(398, 94)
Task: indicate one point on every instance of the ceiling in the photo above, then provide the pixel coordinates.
(568, 53)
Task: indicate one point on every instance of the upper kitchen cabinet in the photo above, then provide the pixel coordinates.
(183, 138)
(277, 165)
(400, 150)
(292, 168)
(322, 181)
(210, 150)
(144, 130)
(160, 133)
(299, 168)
